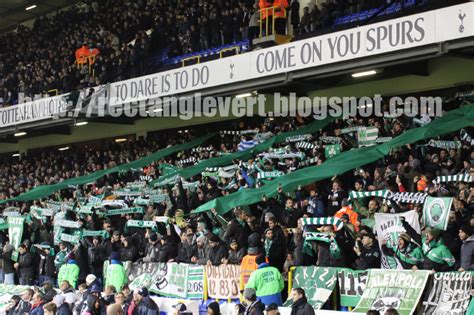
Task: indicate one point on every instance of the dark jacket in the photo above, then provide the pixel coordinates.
(302, 307)
(152, 252)
(7, 262)
(467, 254)
(129, 253)
(37, 310)
(20, 309)
(147, 307)
(238, 231)
(64, 310)
(168, 251)
(369, 258)
(185, 252)
(256, 308)
(46, 266)
(27, 267)
(96, 257)
(217, 253)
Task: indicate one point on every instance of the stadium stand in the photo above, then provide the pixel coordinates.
(231, 216)
(140, 41)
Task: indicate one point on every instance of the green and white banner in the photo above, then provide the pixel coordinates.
(352, 285)
(436, 212)
(168, 279)
(367, 136)
(398, 289)
(318, 283)
(15, 233)
(388, 227)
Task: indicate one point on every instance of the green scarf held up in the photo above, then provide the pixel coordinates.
(47, 190)
(346, 161)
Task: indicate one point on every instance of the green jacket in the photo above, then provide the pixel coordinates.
(69, 272)
(437, 252)
(115, 275)
(266, 281)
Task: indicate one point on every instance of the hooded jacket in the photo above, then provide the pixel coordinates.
(115, 275)
(268, 283)
(437, 256)
(69, 272)
(467, 254)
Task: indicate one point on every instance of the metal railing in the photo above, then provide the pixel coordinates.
(265, 12)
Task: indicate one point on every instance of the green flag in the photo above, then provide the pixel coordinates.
(436, 212)
(318, 283)
(15, 233)
(398, 289)
(332, 150)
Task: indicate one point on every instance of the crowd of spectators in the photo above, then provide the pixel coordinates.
(270, 229)
(38, 59)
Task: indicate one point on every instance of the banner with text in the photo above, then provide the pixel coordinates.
(352, 285)
(318, 283)
(447, 293)
(223, 281)
(369, 40)
(398, 289)
(389, 227)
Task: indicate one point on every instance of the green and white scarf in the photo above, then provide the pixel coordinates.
(298, 138)
(141, 224)
(323, 221)
(112, 212)
(329, 139)
(453, 178)
(441, 144)
(273, 174)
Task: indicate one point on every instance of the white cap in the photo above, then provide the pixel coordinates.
(90, 278)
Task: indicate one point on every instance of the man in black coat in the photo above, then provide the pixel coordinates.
(25, 266)
(7, 264)
(254, 306)
(300, 304)
(169, 251)
(217, 251)
(238, 229)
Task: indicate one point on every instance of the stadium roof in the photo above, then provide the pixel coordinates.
(13, 12)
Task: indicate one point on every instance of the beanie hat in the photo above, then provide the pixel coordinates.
(466, 229)
(154, 237)
(115, 256)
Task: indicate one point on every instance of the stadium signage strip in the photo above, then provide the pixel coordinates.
(32, 111)
(388, 36)
(412, 31)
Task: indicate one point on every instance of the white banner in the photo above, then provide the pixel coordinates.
(388, 36)
(32, 111)
(388, 228)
